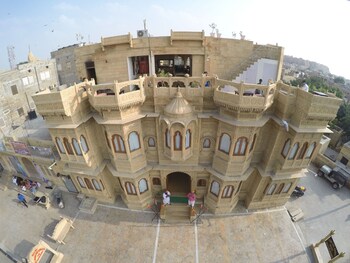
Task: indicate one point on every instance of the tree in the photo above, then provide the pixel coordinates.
(339, 80)
(343, 118)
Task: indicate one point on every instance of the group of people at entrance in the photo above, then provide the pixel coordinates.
(190, 196)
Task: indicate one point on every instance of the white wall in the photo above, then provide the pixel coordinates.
(265, 69)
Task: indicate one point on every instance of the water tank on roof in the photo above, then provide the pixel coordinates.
(32, 115)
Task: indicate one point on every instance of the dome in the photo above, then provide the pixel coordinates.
(178, 106)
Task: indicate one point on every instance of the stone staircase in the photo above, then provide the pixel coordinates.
(176, 213)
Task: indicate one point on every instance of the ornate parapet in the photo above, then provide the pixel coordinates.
(240, 97)
(64, 102)
(312, 110)
(116, 96)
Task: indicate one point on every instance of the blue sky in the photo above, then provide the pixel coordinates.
(316, 30)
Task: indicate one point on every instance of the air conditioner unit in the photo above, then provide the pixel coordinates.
(142, 33)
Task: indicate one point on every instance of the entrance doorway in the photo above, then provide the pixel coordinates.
(69, 183)
(178, 183)
(90, 70)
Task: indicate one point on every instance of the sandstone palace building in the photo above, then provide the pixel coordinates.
(183, 112)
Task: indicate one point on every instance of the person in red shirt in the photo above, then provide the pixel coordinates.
(191, 198)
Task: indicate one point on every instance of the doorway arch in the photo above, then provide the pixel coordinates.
(178, 183)
(32, 172)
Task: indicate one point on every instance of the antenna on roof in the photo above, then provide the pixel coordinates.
(144, 24)
(11, 56)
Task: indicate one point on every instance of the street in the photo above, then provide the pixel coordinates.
(325, 209)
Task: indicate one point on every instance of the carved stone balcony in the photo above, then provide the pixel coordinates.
(116, 97)
(305, 109)
(243, 99)
(70, 102)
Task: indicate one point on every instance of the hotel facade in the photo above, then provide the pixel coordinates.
(183, 112)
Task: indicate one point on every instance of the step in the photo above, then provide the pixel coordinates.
(177, 208)
(177, 213)
(88, 205)
(174, 219)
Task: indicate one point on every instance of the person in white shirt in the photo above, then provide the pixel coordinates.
(166, 198)
(305, 86)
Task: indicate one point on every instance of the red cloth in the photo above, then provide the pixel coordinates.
(191, 196)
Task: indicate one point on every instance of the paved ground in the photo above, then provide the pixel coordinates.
(325, 209)
(114, 234)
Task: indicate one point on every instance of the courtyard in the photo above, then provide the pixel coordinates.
(115, 234)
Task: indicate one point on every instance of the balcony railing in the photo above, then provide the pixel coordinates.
(315, 108)
(116, 95)
(244, 97)
(62, 102)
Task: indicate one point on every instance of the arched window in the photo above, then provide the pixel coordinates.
(108, 143)
(81, 182)
(76, 146)
(286, 188)
(240, 146)
(286, 148)
(270, 189)
(215, 188)
(130, 188)
(310, 150)
(225, 143)
(294, 151)
(302, 151)
(227, 192)
(134, 141)
(60, 145)
(88, 184)
(206, 143)
(96, 185)
(118, 143)
(68, 146)
(156, 181)
(143, 186)
(84, 144)
(103, 187)
(167, 138)
(279, 189)
(201, 183)
(151, 142)
(177, 141)
(188, 139)
(253, 143)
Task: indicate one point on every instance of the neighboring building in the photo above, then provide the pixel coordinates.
(336, 136)
(344, 155)
(16, 88)
(65, 61)
(29, 152)
(135, 136)
(25, 145)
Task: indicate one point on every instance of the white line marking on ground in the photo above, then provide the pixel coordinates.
(301, 241)
(76, 216)
(156, 243)
(196, 237)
